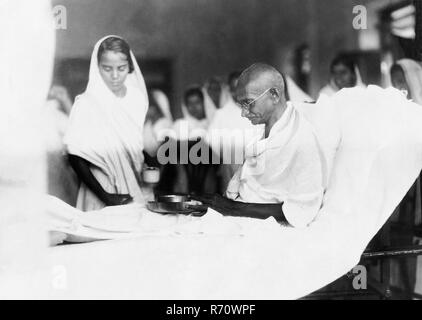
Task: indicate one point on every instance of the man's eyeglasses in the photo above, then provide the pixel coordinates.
(246, 106)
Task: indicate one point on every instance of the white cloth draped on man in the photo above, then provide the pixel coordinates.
(284, 168)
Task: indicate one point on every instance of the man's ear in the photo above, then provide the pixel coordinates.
(275, 94)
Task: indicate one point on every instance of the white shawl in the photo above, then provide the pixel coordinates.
(107, 131)
(287, 167)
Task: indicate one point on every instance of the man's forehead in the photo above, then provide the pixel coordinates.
(247, 89)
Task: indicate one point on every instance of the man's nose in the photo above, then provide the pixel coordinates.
(114, 74)
(244, 112)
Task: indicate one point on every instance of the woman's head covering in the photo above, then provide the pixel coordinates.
(185, 126)
(224, 96)
(209, 107)
(98, 89)
(413, 73)
(103, 126)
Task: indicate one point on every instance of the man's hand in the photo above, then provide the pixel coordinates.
(216, 202)
(112, 199)
(229, 207)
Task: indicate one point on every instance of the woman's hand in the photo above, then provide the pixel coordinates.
(114, 199)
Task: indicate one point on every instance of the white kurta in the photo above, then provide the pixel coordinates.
(287, 167)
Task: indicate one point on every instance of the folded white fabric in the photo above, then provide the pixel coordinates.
(134, 220)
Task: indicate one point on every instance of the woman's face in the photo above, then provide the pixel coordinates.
(343, 76)
(114, 68)
(195, 107)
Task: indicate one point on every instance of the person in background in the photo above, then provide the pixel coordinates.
(229, 133)
(295, 93)
(344, 74)
(406, 75)
(61, 95)
(214, 90)
(58, 108)
(193, 129)
(215, 96)
(157, 120)
(195, 119)
(104, 139)
(61, 179)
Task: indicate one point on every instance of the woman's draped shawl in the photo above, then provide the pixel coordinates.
(107, 131)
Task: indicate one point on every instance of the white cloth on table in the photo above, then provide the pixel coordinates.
(128, 221)
(287, 167)
(106, 130)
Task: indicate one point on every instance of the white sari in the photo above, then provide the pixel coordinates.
(107, 131)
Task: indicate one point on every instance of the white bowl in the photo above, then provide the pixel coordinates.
(151, 175)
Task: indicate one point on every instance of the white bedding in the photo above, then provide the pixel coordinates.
(376, 161)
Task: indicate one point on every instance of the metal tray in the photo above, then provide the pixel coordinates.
(174, 208)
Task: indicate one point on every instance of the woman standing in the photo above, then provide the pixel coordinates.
(104, 138)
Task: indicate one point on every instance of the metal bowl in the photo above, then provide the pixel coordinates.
(169, 207)
(172, 198)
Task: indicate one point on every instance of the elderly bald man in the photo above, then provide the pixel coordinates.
(282, 176)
